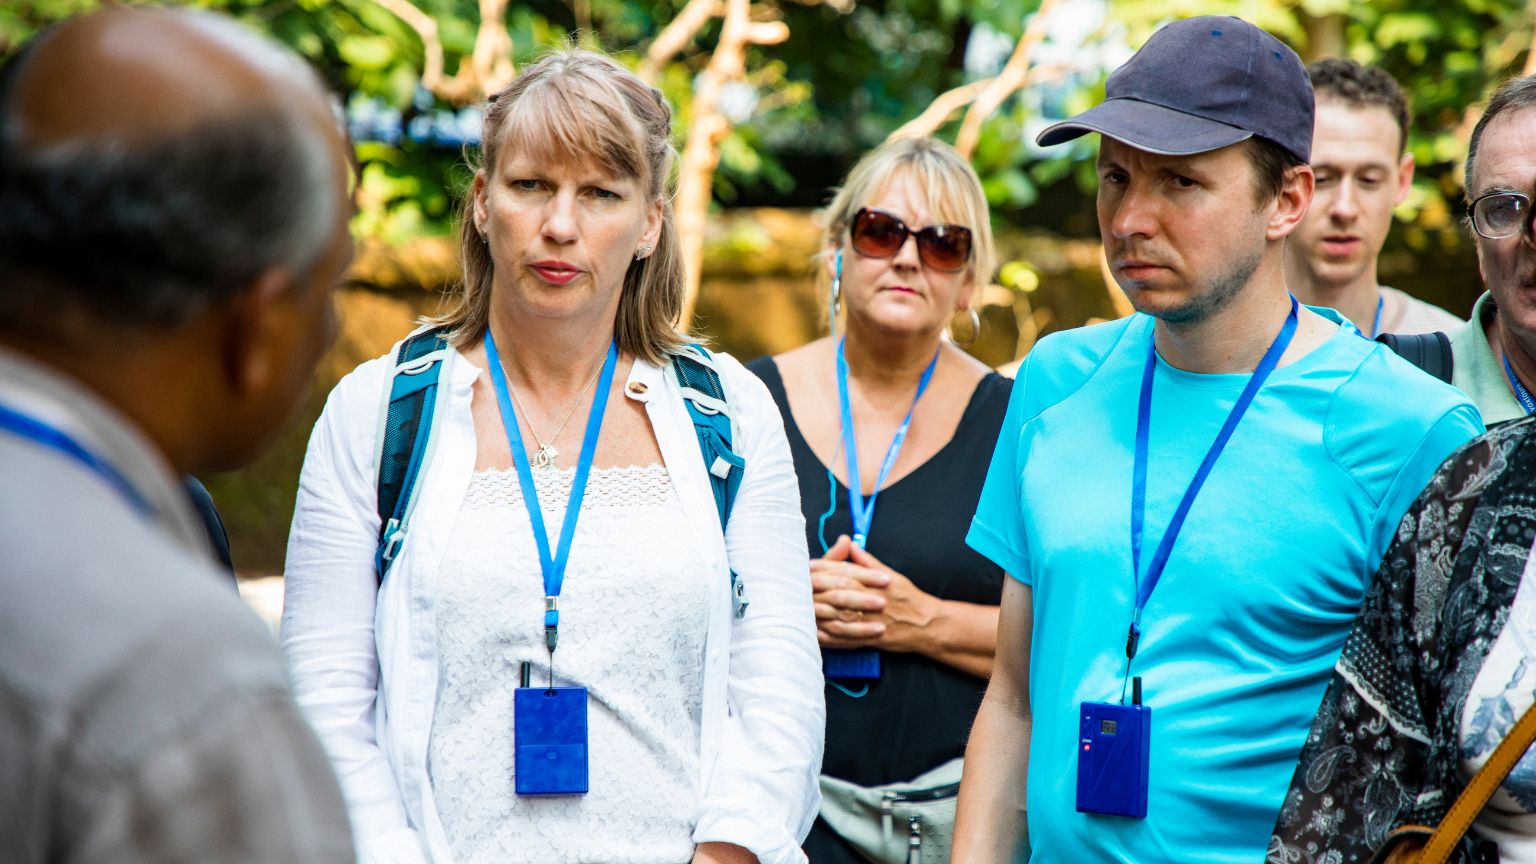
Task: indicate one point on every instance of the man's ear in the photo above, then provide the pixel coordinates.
(1404, 178)
(1290, 205)
(251, 321)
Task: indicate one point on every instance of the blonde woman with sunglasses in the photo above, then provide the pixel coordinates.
(890, 414)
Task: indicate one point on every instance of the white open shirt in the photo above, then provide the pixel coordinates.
(364, 662)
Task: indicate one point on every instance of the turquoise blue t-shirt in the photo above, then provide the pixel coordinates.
(1243, 629)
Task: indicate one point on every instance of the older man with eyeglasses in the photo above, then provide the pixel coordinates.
(1495, 353)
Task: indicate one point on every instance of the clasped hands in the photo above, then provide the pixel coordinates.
(861, 603)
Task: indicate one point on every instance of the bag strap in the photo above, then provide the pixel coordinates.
(405, 436)
(1475, 797)
(710, 411)
(1430, 352)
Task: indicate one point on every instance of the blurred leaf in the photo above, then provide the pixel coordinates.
(366, 52)
(1020, 276)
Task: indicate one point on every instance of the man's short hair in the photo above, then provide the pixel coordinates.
(1361, 86)
(1516, 94)
(147, 236)
(1271, 163)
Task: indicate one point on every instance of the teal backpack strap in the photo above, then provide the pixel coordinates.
(405, 436)
(710, 411)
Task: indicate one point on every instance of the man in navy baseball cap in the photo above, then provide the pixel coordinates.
(1199, 85)
(1191, 500)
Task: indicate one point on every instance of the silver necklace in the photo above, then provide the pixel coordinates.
(545, 457)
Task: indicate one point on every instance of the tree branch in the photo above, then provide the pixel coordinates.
(939, 110)
(492, 65)
(767, 33)
(1014, 75)
(487, 69)
(431, 46)
(674, 37)
(701, 155)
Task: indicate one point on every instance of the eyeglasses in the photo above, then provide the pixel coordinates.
(1501, 214)
(878, 234)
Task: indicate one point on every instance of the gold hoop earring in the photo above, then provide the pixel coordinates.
(975, 327)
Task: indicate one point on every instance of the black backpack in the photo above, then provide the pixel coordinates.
(1430, 352)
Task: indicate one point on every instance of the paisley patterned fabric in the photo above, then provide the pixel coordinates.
(1384, 749)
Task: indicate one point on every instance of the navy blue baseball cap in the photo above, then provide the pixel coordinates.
(1199, 85)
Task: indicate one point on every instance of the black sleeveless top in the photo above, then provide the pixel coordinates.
(918, 714)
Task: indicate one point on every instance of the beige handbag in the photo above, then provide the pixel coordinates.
(896, 823)
(1420, 844)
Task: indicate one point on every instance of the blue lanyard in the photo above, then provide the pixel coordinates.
(37, 431)
(1145, 585)
(861, 508)
(552, 566)
(1524, 395)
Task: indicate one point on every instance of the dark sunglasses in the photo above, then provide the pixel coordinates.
(879, 234)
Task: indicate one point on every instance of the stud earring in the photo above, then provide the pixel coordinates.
(644, 252)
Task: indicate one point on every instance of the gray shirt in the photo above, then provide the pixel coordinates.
(145, 714)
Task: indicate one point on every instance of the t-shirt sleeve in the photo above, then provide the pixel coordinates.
(1454, 428)
(997, 529)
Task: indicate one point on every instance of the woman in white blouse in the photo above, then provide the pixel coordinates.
(704, 728)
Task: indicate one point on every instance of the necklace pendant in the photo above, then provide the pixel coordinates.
(545, 457)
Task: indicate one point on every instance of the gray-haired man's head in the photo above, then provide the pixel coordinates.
(152, 162)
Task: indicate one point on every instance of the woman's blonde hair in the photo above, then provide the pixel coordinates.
(579, 105)
(953, 190)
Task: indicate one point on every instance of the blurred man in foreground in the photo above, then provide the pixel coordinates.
(173, 219)
(1363, 170)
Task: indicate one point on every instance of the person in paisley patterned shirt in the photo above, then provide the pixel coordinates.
(1441, 663)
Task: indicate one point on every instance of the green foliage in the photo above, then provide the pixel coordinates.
(844, 81)
(1447, 57)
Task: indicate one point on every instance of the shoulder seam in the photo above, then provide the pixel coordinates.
(1329, 427)
(1083, 382)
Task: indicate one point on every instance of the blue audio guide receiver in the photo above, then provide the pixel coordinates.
(550, 732)
(1113, 752)
(851, 664)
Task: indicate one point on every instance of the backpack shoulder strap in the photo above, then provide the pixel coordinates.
(1430, 352)
(710, 410)
(404, 437)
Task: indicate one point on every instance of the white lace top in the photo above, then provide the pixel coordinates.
(632, 631)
